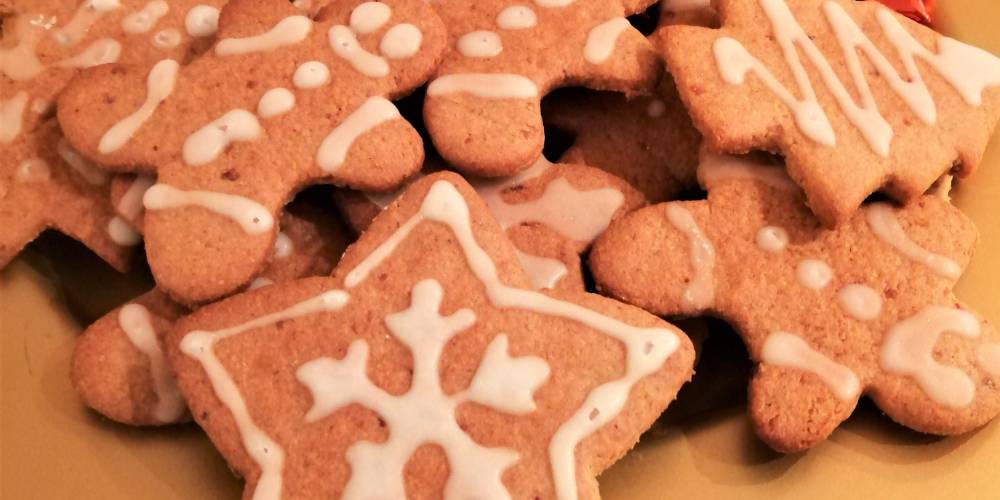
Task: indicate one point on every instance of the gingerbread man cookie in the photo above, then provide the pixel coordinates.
(118, 365)
(44, 44)
(483, 108)
(425, 367)
(279, 102)
(856, 97)
(828, 315)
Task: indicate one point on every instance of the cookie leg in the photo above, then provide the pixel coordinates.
(793, 410)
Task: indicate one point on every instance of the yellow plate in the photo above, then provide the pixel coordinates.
(51, 447)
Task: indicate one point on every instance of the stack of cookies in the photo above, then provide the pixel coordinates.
(477, 310)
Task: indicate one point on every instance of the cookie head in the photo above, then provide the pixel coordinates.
(426, 366)
(856, 97)
(827, 314)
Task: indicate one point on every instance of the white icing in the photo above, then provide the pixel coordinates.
(200, 345)
(12, 116)
(167, 39)
(40, 106)
(700, 291)
(424, 414)
(715, 170)
(882, 220)
(87, 170)
(88, 13)
(516, 17)
(130, 204)
(135, 321)
(283, 246)
(205, 145)
(275, 102)
(260, 283)
(969, 70)
(20, 62)
(656, 108)
(334, 148)
(102, 51)
(202, 20)
(772, 239)
(311, 75)
(369, 16)
(401, 41)
(909, 351)
(601, 39)
(288, 31)
(484, 85)
(121, 233)
(544, 272)
(143, 20)
(576, 214)
(480, 44)
(791, 351)
(346, 45)
(860, 302)
(33, 170)
(159, 86)
(250, 215)
(814, 274)
(988, 357)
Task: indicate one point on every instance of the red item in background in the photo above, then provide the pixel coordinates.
(918, 10)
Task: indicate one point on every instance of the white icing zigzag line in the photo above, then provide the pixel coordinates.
(424, 414)
(647, 348)
(968, 69)
(881, 218)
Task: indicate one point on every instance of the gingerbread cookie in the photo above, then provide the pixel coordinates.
(856, 97)
(483, 108)
(279, 102)
(827, 314)
(118, 365)
(43, 45)
(557, 209)
(648, 141)
(427, 334)
(45, 184)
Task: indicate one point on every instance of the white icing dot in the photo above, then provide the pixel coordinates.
(656, 108)
(516, 17)
(260, 283)
(283, 246)
(814, 274)
(33, 170)
(121, 233)
(310, 75)
(167, 39)
(369, 17)
(988, 356)
(40, 106)
(480, 44)
(202, 20)
(772, 239)
(860, 302)
(401, 41)
(275, 102)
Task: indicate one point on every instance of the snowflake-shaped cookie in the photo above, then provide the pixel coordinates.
(426, 366)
